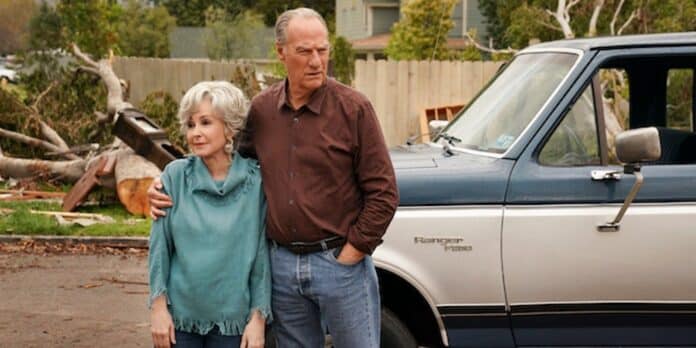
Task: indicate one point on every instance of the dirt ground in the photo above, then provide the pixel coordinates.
(76, 296)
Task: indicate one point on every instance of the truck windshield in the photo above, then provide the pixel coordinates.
(503, 110)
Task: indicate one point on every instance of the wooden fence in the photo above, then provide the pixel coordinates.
(174, 76)
(401, 90)
(398, 90)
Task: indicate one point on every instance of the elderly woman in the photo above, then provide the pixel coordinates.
(209, 269)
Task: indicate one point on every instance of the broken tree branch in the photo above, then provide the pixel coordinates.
(43, 94)
(489, 49)
(46, 131)
(31, 141)
(115, 101)
(30, 168)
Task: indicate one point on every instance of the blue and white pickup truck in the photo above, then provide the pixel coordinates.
(525, 223)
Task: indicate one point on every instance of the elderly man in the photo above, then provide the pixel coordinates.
(331, 193)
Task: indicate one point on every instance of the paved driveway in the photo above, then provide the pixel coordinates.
(73, 298)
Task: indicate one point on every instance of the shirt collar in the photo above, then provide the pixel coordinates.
(316, 100)
(201, 180)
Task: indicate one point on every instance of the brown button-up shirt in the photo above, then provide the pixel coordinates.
(325, 167)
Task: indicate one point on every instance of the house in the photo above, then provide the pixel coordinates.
(367, 24)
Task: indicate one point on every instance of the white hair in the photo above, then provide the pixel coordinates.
(281, 26)
(228, 102)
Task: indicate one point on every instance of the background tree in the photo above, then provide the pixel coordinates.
(422, 31)
(343, 59)
(497, 14)
(14, 24)
(514, 22)
(45, 29)
(272, 8)
(90, 24)
(144, 31)
(240, 36)
(192, 13)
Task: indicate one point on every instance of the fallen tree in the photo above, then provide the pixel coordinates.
(132, 173)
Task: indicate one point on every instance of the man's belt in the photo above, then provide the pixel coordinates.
(312, 247)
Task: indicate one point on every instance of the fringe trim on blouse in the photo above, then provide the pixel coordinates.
(202, 327)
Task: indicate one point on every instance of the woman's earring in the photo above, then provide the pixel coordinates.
(229, 145)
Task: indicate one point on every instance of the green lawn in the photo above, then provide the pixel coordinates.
(23, 222)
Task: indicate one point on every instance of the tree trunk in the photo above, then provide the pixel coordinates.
(32, 168)
(133, 175)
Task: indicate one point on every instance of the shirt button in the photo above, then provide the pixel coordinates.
(294, 230)
(292, 174)
(295, 120)
(291, 202)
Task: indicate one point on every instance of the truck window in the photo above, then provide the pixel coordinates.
(661, 96)
(574, 142)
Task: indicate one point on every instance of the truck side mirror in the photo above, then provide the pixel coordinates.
(638, 145)
(634, 147)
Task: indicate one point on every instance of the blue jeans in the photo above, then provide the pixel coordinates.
(212, 339)
(313, 293)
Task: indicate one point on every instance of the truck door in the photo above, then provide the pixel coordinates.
(567, 282)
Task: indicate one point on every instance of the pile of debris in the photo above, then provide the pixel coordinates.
(138, 154)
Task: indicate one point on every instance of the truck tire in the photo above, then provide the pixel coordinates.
(394, 333)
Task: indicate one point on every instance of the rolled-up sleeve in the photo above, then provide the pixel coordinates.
(377, 181)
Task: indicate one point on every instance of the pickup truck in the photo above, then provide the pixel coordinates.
(557, 209)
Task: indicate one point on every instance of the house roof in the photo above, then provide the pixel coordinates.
(379, 42)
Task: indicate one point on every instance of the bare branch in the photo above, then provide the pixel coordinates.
(570, 5)
(633, 16)
(114, 101)
(88, 69)
(563, 18)
(29, 140)
(30, 168)
(51, 135)
(47, 132)
(549, 25)
(85, 58)
(101, 117)
(489, 49)
(592, 30)
(612, 25)
(43, 94)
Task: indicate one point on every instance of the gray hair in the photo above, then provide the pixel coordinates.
(227, 100)
(281, 26)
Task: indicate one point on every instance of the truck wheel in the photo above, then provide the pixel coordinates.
(394, 333)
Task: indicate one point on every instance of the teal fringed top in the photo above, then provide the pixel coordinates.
(209, 254)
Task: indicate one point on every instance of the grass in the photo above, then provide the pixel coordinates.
(22, 221)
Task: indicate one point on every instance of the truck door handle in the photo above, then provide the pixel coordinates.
(606, 175)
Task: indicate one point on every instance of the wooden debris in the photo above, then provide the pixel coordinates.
(83, 186)
(121, 281)
(90, 286)
(20, 195)
(439, 113)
